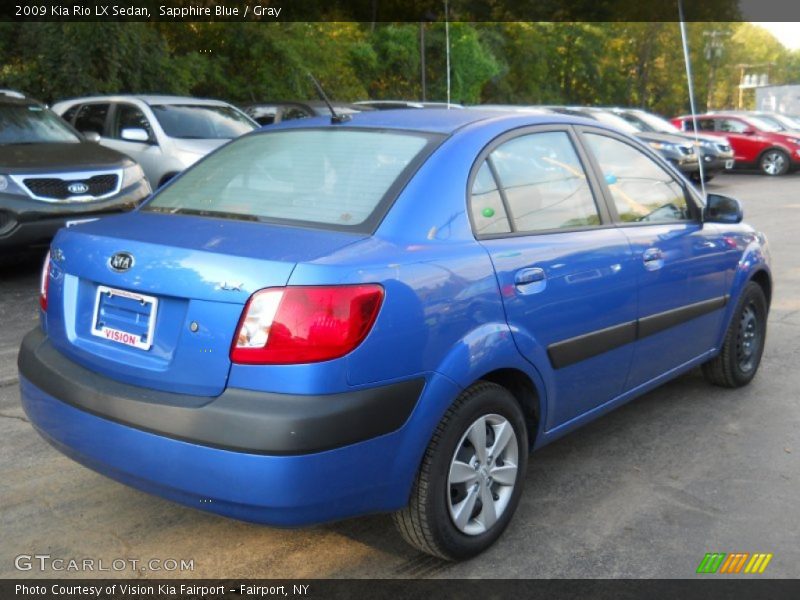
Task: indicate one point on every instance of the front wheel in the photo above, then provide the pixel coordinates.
(774, 162)
(471, 477)
(738, 361)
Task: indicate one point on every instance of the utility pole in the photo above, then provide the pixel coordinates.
(713, 52)
(422, 59)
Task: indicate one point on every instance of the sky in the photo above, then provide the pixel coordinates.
(788, 33)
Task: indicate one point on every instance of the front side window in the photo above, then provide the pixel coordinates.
(206, 122)
(31, 124)
(544, 183)
(642, 190)
(129, 116)
(732, 126)
(92, 118)
(328, 177)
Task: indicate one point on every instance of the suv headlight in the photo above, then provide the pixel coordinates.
(132, 174)
(664, 146)
(8, 186)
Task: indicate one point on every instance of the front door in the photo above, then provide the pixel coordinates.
(680, 263)
(148, 154)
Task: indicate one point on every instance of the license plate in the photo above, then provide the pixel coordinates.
(729, 164)
(124, 317)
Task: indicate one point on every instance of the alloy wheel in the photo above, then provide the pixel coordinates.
(773, 163)
(483, 473)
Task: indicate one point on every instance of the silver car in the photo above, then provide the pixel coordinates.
(164, 134)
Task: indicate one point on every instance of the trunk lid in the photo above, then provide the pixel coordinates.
(167, 320)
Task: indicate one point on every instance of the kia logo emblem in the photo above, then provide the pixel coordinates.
(121, 261)
(77, 188)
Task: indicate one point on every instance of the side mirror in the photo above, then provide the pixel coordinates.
(749, 132)
(722, 209)
(135, 135)
(91, 136)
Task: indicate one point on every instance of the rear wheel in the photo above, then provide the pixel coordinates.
(774, 162)
(471, 477)
(738, 361)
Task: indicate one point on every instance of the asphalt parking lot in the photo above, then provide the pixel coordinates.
(644, 492)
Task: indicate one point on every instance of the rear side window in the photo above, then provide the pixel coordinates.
(486, 204)
(702, 125)
(92, 117)
(337, 178)
(544, 183)
(642, 190)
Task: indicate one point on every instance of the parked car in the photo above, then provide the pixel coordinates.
(12, 93)
(293, 332)
(677, 150)
(267, 113)
(165, 134)
(51, 176)
(756, 143)
(394, 104)
(781, 122)
(716, 153)
(514, 108)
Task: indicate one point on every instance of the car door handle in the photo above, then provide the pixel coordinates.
(652, 254)
(528, 276)
(653, 259)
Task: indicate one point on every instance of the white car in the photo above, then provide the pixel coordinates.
(164, 134)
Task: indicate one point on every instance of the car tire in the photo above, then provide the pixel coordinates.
(439, 497)
(774, 162)
(165, 180)
(740, 356)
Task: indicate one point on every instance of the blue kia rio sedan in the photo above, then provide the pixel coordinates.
(324, 318)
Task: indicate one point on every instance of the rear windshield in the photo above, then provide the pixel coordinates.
(202, 121)
(32, 124)
(334, 178)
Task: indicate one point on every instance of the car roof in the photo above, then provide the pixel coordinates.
(149, 99)
(19, 101)
(432, 120)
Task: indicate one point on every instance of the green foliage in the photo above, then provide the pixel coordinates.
(635, 64)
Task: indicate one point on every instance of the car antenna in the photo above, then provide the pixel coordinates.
(335, 117)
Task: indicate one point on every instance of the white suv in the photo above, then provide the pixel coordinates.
(164, 134)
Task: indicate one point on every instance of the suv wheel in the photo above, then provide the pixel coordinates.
(738, 361)
(774, 162)
(471, 477)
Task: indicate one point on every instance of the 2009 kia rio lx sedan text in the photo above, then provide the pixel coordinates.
(324, 319)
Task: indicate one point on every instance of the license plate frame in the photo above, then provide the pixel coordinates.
(118, 336)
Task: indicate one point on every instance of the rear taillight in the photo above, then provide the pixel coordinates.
(44, 282)
(302, 324)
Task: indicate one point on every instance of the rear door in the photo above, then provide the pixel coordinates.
(566, 274)
(680, 264)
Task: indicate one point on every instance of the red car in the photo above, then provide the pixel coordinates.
(755, 142)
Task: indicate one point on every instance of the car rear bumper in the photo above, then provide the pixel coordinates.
(285, 489)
